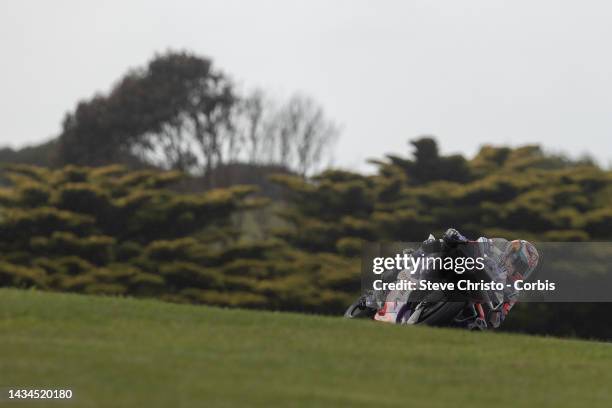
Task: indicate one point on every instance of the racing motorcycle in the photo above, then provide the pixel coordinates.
(469, 309)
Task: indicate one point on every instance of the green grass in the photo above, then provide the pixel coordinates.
(133, 353)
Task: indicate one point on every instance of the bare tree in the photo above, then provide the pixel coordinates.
(296, 135)
(251, 124)
(303, 134)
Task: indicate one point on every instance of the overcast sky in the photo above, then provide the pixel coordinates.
(468, 72)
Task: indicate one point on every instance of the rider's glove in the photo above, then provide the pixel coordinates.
(431, 245)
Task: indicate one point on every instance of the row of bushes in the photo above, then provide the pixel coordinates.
(112, 231)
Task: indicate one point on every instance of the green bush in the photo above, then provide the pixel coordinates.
(112, 231)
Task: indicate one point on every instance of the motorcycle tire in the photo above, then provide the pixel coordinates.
(358, 310)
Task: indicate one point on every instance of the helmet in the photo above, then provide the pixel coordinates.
(521, 259)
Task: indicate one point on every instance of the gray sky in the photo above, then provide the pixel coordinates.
(469, 72)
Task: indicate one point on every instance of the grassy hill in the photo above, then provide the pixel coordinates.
(124, 352)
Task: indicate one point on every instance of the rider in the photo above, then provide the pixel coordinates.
(505, 261)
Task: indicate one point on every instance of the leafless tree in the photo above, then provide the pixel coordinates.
(303, 134)
(251, 124)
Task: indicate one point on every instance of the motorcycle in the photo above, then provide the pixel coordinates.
(469, 309)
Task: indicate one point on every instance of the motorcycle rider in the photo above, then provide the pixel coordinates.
(505, 262)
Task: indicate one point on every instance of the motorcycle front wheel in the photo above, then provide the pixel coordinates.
(359, 310)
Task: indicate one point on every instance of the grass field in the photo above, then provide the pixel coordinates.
(122, 352)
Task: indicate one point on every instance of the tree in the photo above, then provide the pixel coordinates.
(252, 124)
(428, 165)
(301, 122)
(180, 113)
(295, 134)
(155, 114)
